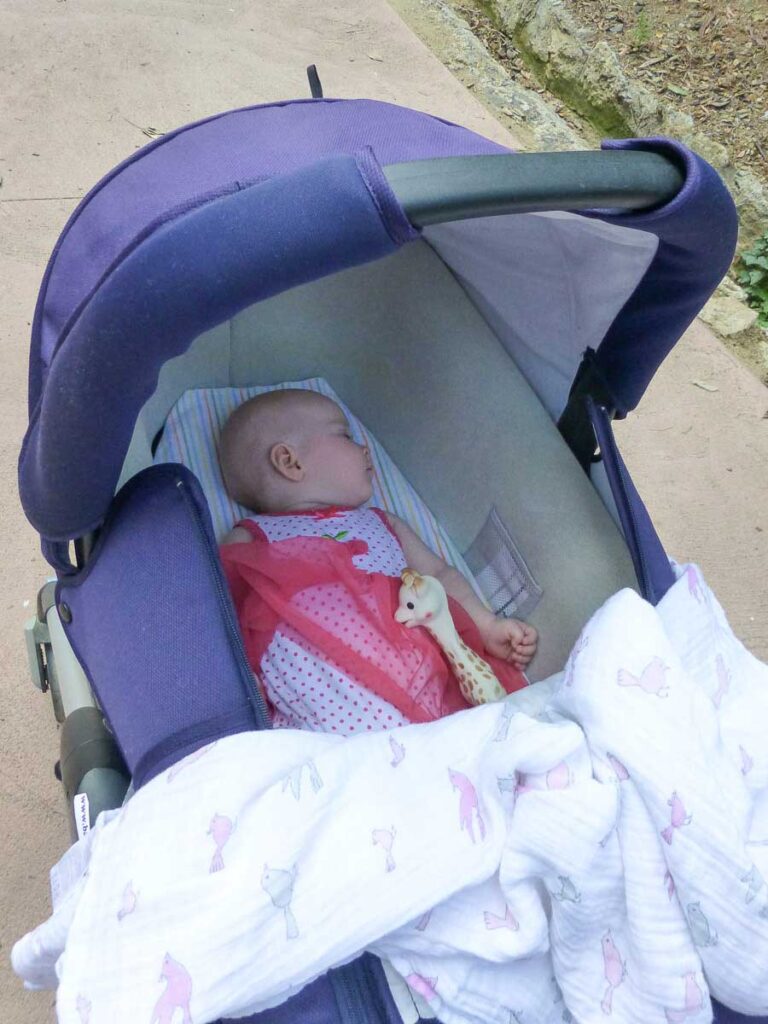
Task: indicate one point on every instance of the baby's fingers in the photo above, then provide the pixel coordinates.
(522, 654)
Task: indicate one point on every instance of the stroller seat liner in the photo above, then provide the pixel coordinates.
(405, 349)
(653, 855)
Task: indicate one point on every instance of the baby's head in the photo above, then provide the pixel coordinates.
(290, 450)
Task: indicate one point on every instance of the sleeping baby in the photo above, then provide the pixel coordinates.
(315, 577)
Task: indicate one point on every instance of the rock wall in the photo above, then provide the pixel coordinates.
(588, 77)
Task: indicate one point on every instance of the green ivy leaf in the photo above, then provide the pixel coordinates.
(753, 277)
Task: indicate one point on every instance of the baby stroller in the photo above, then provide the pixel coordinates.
(448, 292)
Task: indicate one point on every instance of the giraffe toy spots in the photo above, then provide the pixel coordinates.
(424, 602)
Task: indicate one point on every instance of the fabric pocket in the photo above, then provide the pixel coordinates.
(501, 572)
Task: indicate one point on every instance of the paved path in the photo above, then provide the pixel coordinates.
(79, 80)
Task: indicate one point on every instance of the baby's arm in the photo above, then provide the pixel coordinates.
(237, 535)
(423, 560)
(509, 639)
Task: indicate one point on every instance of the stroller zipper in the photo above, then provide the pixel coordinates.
(257, 701)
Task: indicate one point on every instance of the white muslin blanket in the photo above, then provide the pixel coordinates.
(591, 849)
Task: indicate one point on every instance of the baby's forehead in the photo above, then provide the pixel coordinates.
(323, 410)
(286, 410)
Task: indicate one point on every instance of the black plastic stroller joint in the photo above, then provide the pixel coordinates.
(575, 423)
(91, 764)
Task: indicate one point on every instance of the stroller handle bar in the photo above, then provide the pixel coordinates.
(455, 188)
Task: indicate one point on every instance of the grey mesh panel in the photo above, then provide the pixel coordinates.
(403, 345)
(549, 285)
(498, 565)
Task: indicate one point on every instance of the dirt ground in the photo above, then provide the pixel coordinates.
(706, 57)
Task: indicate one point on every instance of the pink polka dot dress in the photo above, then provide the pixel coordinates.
(307, 689)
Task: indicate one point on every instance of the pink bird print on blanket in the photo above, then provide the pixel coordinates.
(614, 969)
(559, 777)
(128, 904)
(424, 986)
(468, 804)
(177, 995)
(621, 772)
(398, 751)
(723, 680)
(694, 584)
(678, 818)
(221, 828)
(651, 680)
(385, 838)
(693, 1001)
(493, 921)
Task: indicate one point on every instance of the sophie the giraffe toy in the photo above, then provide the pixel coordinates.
(423, 602)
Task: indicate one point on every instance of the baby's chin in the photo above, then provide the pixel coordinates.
(355, 499)
(365, 494)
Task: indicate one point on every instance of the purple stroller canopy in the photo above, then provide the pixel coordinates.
(218, 215)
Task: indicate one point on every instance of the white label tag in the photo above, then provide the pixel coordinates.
(82, 817)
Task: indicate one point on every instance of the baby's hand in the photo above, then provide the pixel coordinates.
(510, 640)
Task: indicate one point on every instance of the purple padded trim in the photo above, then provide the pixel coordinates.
(725, 1016)
(315, 1004)
(652, 567)
(354, 994)
(384, 199)
(246, 145)
(257, 242)
(697, 233)
(123, 313)
(154, 628)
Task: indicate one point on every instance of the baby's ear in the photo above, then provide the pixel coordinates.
(285, 460)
